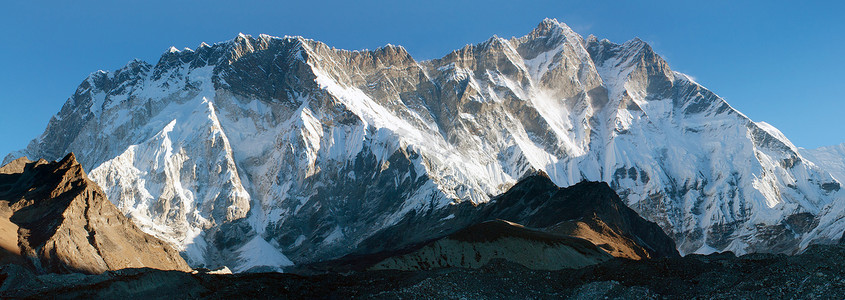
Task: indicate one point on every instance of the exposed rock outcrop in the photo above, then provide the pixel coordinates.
(53, 219)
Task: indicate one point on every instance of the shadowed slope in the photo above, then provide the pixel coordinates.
(535, 223)
(589, 210)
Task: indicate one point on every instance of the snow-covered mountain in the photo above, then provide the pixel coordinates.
(265, 152)
(830, 158)
(832, 218)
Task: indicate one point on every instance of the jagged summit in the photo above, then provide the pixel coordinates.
(309, 150)
(247, 43)
(549, 27)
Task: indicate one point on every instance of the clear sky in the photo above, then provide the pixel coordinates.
(782, 62)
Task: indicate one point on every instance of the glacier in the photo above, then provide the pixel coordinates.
(265, 152)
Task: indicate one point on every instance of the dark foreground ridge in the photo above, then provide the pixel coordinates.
(535, 224)
(816, 274)
(53, 219)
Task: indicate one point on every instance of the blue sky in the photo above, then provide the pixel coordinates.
(776, 61)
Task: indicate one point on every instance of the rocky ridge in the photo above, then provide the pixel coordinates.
(535, 224)
(537, 203)
(53, 219)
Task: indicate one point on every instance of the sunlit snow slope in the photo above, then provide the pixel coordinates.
(265, 143)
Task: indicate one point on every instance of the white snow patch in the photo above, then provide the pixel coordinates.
(259, 253)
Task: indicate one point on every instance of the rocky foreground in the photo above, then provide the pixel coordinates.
(816, 274)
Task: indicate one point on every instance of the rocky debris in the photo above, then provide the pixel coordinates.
(815, 274)
(53, 219)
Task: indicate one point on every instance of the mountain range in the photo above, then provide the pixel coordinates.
(260, 153)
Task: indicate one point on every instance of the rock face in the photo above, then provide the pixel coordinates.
(53, 219)
(266, 151)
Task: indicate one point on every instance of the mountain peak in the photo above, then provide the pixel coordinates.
(550, 27)
(638, 43)
(69, 160)
(550, 23)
